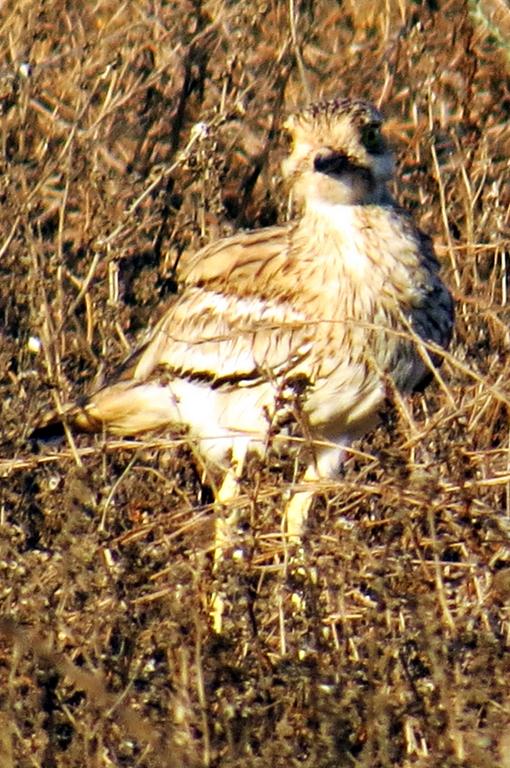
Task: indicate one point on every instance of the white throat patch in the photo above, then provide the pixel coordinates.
(341, 224)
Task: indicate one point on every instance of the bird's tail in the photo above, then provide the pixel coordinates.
(127, 407)
(78, 417)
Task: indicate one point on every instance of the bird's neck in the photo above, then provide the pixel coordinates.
(365, 243)
(338, 233)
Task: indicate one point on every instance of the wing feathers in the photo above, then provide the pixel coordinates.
(212, 336)
(240, 260)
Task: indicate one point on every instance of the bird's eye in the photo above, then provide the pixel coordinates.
(287, 140)
(372, 139)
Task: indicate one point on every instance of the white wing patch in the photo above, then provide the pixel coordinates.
(220, 335)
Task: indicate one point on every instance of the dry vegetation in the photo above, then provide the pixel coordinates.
(132, 133)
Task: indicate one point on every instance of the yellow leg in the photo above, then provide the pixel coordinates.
(296, 511)
(296, 515)
(223, 525)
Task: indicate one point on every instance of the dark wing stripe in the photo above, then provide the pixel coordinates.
(244, 378)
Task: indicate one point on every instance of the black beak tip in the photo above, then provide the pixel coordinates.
(331, 163)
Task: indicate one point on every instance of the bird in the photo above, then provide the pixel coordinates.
(317, 317)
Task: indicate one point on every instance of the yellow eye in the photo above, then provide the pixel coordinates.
(372, 139)
(287, 139)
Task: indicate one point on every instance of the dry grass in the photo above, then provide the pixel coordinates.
(388, 645)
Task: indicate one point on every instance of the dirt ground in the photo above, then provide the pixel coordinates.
(131, 134)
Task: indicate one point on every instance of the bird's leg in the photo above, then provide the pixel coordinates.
(223, 523)
(296, 512)
(227, 493)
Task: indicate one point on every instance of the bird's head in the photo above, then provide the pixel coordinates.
(338, 155)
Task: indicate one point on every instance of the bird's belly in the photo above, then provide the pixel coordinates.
(219, 418)
(342, 410)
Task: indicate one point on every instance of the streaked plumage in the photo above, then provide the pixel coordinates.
(332, 304)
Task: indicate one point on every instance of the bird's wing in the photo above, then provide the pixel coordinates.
(234, 323)
(438, 327)
(246, 261)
